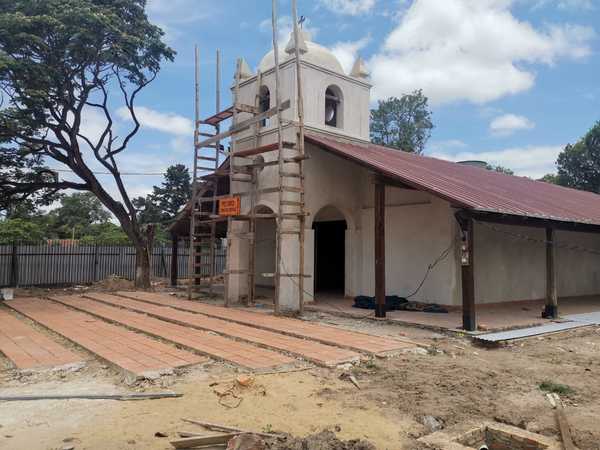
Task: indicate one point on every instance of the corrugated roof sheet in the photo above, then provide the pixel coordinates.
(468, 186)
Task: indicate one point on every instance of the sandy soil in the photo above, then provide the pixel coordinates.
(454, 381)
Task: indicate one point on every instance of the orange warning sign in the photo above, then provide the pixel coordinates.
(229, 206)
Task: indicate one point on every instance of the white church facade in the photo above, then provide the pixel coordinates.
(455, 234)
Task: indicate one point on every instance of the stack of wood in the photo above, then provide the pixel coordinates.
(229, 438)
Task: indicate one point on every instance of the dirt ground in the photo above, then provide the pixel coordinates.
(454, 381)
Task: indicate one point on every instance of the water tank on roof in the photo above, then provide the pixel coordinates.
(475, 163)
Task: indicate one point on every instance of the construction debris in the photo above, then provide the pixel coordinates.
(348, 376)
(246, 442)
(198, 441)
(325, 440)
(226, 429)
(561, 418)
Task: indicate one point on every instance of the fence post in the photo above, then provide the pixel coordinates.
(14, 266)
(163, 262)
(174, 259)
(95, 275)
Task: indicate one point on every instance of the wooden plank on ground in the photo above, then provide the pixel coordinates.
(197, 441)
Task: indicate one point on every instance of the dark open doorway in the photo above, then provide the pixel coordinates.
(330, 256)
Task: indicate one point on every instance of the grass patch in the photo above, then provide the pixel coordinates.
(556, 388)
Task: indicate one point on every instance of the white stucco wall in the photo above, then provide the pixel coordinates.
(265, 252)
(355, 92)
(509, 267)
(419, 228)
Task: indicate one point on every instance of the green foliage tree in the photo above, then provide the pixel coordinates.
(551, 178)
(106, 234)
(61, 59)
(19, 167)
(579, 164)
(14, 230)
(403, 123)
(500, 169)
(166, 200)
(77, 213)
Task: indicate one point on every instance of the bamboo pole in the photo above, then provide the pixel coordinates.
(213, 225)
(280, 156)
(236, 91)
(300, 137)
(252, 257)
(192, 256)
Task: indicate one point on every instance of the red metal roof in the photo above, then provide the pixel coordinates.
(468, 186)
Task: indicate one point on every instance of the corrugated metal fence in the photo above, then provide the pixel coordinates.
(66, 264)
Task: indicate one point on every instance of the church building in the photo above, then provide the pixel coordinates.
(448, 233)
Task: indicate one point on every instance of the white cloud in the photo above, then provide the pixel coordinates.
(347, 52)
(474, 50)
(566, 4)
(530, 161)
(509, 123)
(166, 122)
(350, 7)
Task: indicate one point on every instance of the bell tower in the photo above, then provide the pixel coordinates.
(335, 102)
(272, 188)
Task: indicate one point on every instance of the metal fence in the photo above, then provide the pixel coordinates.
(70, 263)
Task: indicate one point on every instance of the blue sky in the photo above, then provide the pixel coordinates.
(510, 82)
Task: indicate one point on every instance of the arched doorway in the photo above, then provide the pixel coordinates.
(330, 251)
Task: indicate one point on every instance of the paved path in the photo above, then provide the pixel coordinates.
(325, 355)
(27, 348)
(352, 340)
(218, 347)
(132, 352)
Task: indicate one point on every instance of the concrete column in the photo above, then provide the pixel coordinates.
(289, 301)
(309, 265)
(237, 255)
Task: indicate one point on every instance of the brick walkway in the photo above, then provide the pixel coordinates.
(30, 349)
(325, 355)
(218, 347)
(132, 352)
(352, 340)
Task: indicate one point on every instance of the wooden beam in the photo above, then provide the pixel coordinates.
(243, 125)
(507, 219)
(197, 441)
(259, 150)
(468, 274)
(551, 309)
(378, 178)
(379, 217)
(174, 259)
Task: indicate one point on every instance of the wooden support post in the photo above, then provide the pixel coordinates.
(380, 307)
(174, 259)
(551, 309)
(468, 275)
